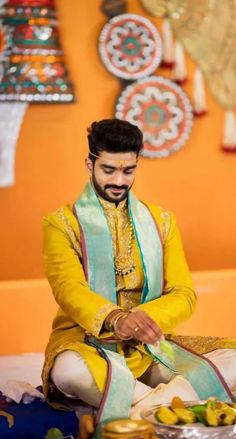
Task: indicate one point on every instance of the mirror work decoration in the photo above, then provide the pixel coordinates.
(130, 47)
(161, 110)
(32, 64)
(32, 70)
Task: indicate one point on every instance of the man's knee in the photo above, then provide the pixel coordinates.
(225, 361)
(72, 377)
(68, 371)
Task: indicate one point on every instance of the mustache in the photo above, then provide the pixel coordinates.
(112, 186)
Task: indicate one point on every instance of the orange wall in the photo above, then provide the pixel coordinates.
(197, 183)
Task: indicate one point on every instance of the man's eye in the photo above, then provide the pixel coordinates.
(108, 172)
(129, 172)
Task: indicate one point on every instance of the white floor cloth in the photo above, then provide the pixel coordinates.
(25, 367)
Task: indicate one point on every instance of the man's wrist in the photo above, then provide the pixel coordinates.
(112, 319)
(108, 326)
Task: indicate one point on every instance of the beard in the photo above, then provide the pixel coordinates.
(102, 192)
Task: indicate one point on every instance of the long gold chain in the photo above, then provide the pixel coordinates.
(124, 264)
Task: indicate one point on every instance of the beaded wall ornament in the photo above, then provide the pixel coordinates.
(161, 110)
(32, 69)
(35, 70)
(131, 48)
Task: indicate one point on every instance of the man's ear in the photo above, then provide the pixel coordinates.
(89, 165)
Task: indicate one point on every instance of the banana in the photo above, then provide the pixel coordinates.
(177, 414)
(185, 416)
(213, 413)
(228, 408)
(212, 417)
(229, 419)
(166, 416)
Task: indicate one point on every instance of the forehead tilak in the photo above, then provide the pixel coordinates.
(122, 163)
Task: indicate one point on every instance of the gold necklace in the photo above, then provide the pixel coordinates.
(124, 264)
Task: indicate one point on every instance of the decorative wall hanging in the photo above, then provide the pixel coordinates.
(204, 27)
(32, 68)
(130, 46)
(35, 70)
(207, 30)
(168, 60)
(5, 44)
(161, 110)
(131, 49)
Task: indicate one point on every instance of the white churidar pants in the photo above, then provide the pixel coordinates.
(72, 377)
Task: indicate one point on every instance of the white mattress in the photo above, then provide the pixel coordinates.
(25, 367)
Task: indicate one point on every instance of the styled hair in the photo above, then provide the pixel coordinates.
(114, 135)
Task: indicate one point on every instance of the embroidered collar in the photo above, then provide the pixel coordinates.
(107, 205)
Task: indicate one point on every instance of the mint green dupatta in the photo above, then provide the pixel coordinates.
(99, 259)
(198, 370)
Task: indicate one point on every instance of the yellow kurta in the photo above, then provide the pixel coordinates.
(81, 309)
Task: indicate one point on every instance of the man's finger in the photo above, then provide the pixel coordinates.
(147, 322)
(143, 333)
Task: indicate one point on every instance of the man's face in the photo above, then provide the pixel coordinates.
(113, 174)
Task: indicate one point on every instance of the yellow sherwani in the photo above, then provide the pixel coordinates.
(81, 309)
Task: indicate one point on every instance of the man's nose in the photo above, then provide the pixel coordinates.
(119, 179)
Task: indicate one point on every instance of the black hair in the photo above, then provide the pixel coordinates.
(114, 135)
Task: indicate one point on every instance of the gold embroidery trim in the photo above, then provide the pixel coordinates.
(166, 224)
(129, 299)
(202, 344)
(101, 315)
(69, 230)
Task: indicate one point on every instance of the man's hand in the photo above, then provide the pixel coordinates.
(140, 326)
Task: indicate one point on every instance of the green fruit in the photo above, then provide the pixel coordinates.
(200, 412)
(54, 433)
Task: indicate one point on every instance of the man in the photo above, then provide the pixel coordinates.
(118, 272)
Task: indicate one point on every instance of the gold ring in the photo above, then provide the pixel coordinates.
(136, 329)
